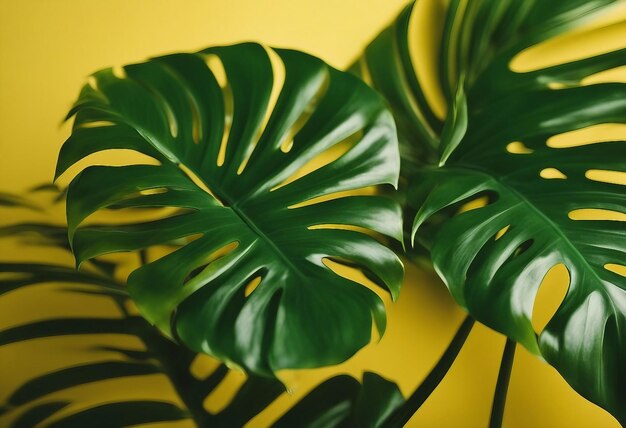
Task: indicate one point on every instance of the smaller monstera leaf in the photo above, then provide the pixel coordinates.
(342, 401)
(499, 141)
(229, 141)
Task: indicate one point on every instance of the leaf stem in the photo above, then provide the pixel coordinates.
(402, 415)
(502, 384)
(175, 361)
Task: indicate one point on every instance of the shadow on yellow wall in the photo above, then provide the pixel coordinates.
(46, 51)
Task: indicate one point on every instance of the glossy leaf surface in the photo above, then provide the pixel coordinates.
(227, 158)
(34, 402)
(496, 142)
(368, 403)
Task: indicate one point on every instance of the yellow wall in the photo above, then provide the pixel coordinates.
(47, 48)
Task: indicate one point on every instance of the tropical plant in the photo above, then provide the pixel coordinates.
(231, 177)
(339, 400)
(496, 142)
(267, 168)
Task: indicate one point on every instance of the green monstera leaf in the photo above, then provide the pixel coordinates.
(338, 400)
(497, 142)
(342, 401)
(230, 161)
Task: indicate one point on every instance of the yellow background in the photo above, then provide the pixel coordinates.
(47, 48)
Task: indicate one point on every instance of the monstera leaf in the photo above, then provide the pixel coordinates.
(496, 141)
(342, 401)
(36, 400)
(339, 399)
(227, 161)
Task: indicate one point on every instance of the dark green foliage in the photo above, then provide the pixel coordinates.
(494, 258)
(171, 108)
(30, 402)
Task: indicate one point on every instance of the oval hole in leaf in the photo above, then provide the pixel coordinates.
(552, 174)
(95, 124)
(613, 75)
(590, 135)
(380, 238)
(328, 156)
(606, 176)
(523, 247)
(195, 236)
(518, 148)
(551, 293)
(502, 231)
(286, 146)
(596, 214)
(557, 85)
(155, 191)
(474, 204)
(341, 227)
(601, 35)
(369, 190)
(252, 285)
(615, 268)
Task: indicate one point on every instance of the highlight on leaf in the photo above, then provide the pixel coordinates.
(264, 148)
(546, 141)
(103, 355)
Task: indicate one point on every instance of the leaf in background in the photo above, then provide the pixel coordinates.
(122, 414)
(493, 258)
(228, 156)
(69, 326)
(343, 402)
(39, 233)
(35, 400)
(38, 413)
(327, 405)
(251, 399)
(13, 201)
(20, 275)
(377, 400)
(19, 401)
(78, 375)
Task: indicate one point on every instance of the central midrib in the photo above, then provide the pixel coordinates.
(573, 249)
(227, 201)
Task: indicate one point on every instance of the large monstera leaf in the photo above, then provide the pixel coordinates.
(497, 141)
(227, 158)
(44, 398)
